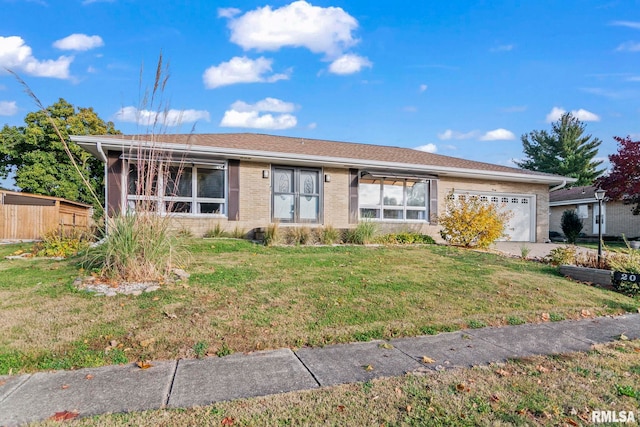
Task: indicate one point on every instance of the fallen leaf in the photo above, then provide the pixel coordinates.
(542, 369)
(386, 346)
(398, 391)
(148, 342)
(368, 368)
(340, 408)
(495, 398)
(409, 408)
(570, 422)
(545, 317)
(170, 315)
(623, 337)
(65, 386)
(503, 373)
(462, 387)
(88, 377)
(227, 421)
(2, 383)
(143, 364)
(64, 415)
(585, 313)
(426, 359)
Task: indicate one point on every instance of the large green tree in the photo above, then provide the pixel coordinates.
(39, 159)
(563, 151)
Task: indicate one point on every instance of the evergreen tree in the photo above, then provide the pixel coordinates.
(563, 151)
(38, 157)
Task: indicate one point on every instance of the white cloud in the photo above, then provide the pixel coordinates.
(241, 70)
(348, 64)
(498, 135)
(78, 42)
(410, 109)
(422, 88)
(312, 125)
(228, 12)
(452, 134)
(253, 120)
(299, 24)
(581, 114)
(17, 56)
(628, 24)
(244, 115)
(8, 108)
(629, 47)
(169, 118)
(86, 2)
(429, 148)
(272, 105)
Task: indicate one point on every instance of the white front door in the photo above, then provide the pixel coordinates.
(596, 217)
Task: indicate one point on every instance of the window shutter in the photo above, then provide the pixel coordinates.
(233, 212)
(353, 196)
(114, 183)
(433, 201)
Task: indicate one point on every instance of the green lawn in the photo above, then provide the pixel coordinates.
(244, 297)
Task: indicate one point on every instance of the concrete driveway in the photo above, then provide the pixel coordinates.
(536, 250)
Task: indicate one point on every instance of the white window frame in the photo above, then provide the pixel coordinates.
(130, 199)
(381, 207)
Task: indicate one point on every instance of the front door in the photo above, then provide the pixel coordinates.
(596, 218)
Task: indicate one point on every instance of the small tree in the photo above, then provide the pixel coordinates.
(571, 225)
(468, 221)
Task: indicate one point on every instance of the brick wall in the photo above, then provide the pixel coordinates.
(618, 220)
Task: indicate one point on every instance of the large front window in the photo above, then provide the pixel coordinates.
(180, 189)
(392, 199)
(296, 195)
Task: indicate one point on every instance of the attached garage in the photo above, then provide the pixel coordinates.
(522, 224)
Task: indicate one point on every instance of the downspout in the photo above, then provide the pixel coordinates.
(103, 158)
(557, 187)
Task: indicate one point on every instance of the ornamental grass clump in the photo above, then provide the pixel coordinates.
(469, 221)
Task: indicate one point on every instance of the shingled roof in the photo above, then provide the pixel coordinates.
(314, 148)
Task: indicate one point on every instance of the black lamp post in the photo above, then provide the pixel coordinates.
(599, 194)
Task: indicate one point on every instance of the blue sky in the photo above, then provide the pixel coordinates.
(460, 78)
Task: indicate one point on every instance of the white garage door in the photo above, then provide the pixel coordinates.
(521, 225)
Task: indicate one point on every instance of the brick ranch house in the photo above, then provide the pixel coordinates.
(249, 181)
(617, 218)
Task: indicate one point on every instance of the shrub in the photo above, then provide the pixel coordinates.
(58, 244)
(571, 225)
(328, 235)
(299, 236)
(239, 233)
(626, 261)
(405, 238)
(216, 231)
(139, 247)
(468, 221)
(362, 234)
(272, 235)
(562, 256)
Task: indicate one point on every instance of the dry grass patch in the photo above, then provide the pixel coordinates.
(245, 297)
(555, 390)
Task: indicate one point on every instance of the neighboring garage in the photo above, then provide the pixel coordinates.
(522, 224)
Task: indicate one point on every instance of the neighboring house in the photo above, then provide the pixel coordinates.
(25, 216)
(617, 218)
(249, 181)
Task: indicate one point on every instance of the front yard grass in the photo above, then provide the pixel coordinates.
(553, 390)
(243, 297)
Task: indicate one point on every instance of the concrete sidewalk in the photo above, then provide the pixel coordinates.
(185, 383)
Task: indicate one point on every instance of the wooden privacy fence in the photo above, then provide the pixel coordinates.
(29, 217)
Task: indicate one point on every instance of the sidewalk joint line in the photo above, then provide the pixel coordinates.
(18, 386)
(307, 368)
(173, 380)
